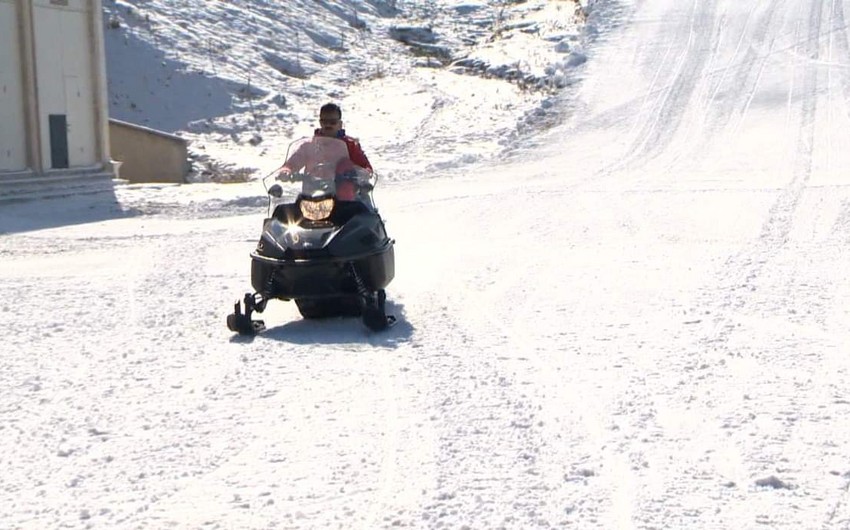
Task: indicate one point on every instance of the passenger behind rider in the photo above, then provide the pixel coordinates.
(330, 120)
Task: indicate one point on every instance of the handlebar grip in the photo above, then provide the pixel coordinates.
(292, 177)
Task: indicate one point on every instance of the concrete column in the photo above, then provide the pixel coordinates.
(101, 97)
(30, 83)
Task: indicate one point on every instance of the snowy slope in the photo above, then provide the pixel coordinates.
(637, 320)
(243, 79)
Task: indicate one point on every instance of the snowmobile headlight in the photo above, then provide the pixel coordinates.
(317, 210)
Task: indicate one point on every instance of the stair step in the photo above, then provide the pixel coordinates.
(22, 188)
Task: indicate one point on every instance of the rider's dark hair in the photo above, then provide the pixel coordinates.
(327, 108)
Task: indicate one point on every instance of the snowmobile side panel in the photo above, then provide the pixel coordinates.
(361, 233)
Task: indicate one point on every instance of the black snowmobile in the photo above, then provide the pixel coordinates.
(328, 249)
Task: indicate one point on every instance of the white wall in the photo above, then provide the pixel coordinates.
(65, 76)
(12, 120)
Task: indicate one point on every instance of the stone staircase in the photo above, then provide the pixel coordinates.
(25, 185)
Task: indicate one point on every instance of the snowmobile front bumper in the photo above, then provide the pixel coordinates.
(326, 276)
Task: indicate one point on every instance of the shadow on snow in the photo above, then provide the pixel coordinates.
(335, 331)
(40, 214)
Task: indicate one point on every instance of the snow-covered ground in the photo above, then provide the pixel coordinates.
(637, 319)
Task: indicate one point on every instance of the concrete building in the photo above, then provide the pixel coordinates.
(53, 101)
(148, 155)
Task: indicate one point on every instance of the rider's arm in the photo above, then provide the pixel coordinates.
(294, 163)
(356, 154)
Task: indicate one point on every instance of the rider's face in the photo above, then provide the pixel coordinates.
(330, 124)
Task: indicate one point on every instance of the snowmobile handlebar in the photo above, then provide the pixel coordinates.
(272, 181)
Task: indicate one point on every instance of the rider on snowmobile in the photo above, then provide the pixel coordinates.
(330, 119)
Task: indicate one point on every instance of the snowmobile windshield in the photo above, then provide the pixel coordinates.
(322, 165)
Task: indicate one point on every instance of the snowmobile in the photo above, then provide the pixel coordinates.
(327, 250)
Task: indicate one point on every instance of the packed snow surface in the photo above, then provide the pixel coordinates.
(622, 300)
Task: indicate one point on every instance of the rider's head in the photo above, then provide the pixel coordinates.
(330, 119)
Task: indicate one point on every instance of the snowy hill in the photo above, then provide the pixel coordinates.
(241, 79)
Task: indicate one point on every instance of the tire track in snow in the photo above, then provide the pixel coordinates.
(275, 431)
(838, 31)
(707, 372)
(105, 397)
(322, 446)
(195, 412)
(697, 146)
(741, 269)
(711, 368)
(170, 380)
(553, 436)
(488, 437)
(486, 414)
(660, 124)
(780, 217)
(582, 466)
(839, 517)
(743, 83)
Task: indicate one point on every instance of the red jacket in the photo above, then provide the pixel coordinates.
(355, 152)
